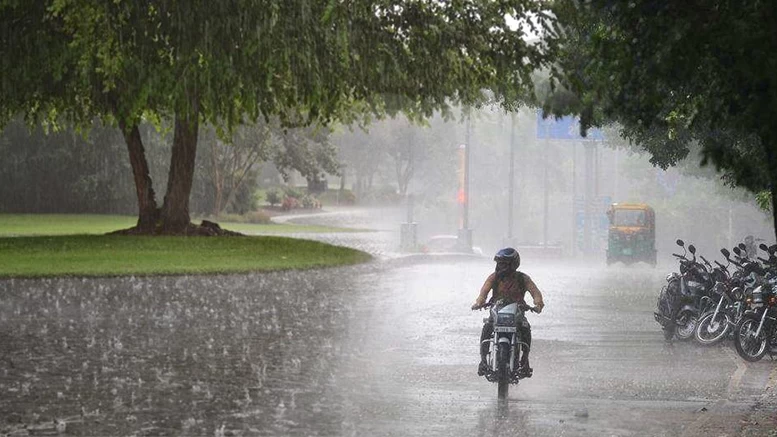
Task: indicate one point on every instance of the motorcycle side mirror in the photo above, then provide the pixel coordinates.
(742, 246)
(725, 252)
(680, 243)
(692, 249)
(737, 251)
(764, 247)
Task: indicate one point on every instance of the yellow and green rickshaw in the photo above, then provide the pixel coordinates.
(632, 233)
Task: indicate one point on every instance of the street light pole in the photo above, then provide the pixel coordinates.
(511, 188)
(465, 234)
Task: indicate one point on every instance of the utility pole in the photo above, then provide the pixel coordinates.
(465, 233)
(467, 156)
(511, 188)
(573, 246)
(588, 195)
(545, 185)
(545, 194)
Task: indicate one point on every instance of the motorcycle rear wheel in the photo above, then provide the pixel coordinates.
(750, 347)
(709, 332)
(503, 370)
(686, 325)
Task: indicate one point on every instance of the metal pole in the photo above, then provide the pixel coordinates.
(511, 188)
(545, 189)
(467, 155)
(588, 196)
(573, 246)
(616, 194)
(597, 169)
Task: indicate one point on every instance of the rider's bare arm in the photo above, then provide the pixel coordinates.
(481, 299)
(536, 295)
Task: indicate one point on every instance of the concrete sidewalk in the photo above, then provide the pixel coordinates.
(762, 422)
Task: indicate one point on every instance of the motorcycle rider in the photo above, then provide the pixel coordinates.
(508, 283)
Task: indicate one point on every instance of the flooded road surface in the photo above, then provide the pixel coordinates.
(387, 348)
(600, 363)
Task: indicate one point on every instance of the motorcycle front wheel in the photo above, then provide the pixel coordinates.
(709, 331)
(749, 346)
(503, 370)
(686, 325)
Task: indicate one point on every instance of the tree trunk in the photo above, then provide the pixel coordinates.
(175, 211)
(148, 214)
(773, 189)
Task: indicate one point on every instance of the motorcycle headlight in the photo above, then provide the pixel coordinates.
(505, 320)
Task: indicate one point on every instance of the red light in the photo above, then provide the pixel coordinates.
(461, 198)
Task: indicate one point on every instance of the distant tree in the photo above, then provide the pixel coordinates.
(674, 74)
(302, 61)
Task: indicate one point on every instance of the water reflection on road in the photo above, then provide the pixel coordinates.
(175, 356)
(388, 348)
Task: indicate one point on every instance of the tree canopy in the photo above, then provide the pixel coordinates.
(675, 74)
(223, 62)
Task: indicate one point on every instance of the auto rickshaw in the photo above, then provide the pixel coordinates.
(632, 233)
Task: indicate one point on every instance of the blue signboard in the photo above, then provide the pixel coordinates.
(565, 128)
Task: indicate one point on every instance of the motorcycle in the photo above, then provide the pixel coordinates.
(505, 345)
(756, 333)
(717, 324)
(685, 297)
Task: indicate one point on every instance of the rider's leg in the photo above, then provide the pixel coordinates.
(488, 331)
(526, 337)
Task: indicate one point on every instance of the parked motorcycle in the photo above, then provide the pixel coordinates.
(686, 296)
(756, 333)
(506, 346)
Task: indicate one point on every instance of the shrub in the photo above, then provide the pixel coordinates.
(293, 192)
(273, 197)
(289, 203)
(257, 217)
(308, 202)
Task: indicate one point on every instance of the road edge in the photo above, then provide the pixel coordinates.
(762, 420)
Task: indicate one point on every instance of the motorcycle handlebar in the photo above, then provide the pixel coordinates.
(524, 307)
(677, 255)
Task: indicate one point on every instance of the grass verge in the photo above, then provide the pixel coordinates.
(14, 225)
(90, 255)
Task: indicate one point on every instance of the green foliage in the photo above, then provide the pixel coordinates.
(673, 74)
(273, 197)
(13, 225)
(298, 59)
(87, 255)
(294, 192)
(764, 200)
(300, 62)
(307, 201)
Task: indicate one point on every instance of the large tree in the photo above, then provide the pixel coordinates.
(676, 75)
(195, 61)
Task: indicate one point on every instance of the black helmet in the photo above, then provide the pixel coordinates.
(507, 258)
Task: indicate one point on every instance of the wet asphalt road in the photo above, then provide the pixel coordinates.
(388, 348)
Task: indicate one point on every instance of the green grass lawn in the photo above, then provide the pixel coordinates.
(100, 255)
(74, 245)
(12, 225)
